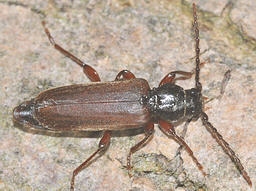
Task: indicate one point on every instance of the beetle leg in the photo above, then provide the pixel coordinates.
(88, 70)
(125, 75)
(171, 77)
(225, 146)
(149, 131)
(103, 145)
(183, 133)
(168, 129)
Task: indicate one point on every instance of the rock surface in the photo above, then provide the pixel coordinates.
(149, 38)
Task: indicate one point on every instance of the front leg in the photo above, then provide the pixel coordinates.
(183, 134)
(168, 129)
(171, 77)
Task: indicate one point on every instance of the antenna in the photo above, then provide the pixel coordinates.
(197, 49)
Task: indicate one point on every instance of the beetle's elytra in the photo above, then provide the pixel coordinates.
(125, 103)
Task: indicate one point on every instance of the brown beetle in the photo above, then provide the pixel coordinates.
(125, 103)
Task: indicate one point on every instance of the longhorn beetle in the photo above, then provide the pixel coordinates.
(125, 103)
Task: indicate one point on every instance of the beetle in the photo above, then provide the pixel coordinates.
(125, 103)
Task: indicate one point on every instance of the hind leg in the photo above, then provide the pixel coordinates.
(103, 145)
(89, 71)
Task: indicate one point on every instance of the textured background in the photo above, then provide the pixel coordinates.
(150, 38)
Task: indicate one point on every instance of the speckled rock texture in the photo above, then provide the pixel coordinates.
(149, 38)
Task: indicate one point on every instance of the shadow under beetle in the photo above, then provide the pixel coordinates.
(126, 103)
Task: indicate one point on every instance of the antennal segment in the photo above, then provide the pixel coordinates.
(197, 49)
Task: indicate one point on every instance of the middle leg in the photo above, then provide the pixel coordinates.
(149, 131)
(124, 75)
